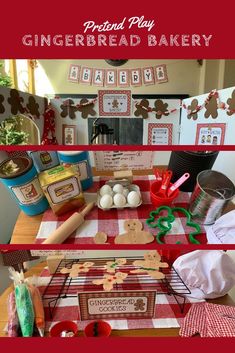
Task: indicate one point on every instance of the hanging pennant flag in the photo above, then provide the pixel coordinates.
(74, 71)
(123, 78)
(148, 76)
(98, 77)
(86, 75)
(161, 73)
(111, 78)
(136, 77)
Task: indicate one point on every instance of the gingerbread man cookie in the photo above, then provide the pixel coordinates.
(150, 264)
(111, 266)
(193, 109)
(108, 281)
(211, 107)
(33, 107)
(160, 108)
(231, 104)
(2, 109)
(134, 234)
(15, 101)
(68, 109)
(142, 108)
(76, 269)
(86, 108)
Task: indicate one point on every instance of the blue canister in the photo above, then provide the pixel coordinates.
(20, 176)
(44, 160)
(82, 161)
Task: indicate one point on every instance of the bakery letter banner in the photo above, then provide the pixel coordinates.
(210, 134)
(117, 304)
(114, 102)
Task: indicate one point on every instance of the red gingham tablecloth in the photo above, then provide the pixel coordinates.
(111, 222)
(167, 311)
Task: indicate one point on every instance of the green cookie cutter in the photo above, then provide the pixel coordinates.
(169, 219)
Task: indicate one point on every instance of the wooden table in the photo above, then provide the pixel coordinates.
(26, 227)
(160, 332)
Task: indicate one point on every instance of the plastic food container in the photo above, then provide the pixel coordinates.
(98, 328)
(61, 328)
(161, 201)
(81, 161)
(44, 160)
(20, 177)
(126, 184)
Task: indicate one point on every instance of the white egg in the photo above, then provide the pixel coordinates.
(105, 189)
(133, 198)
(119, 200)
(118, 189)
(106, 201)
(125, 192)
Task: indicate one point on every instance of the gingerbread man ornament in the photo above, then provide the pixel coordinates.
(211, 107)
(151, 264)
(160, 108)
(231, 105)
(68, 109)
(2, 109)
(134, 234)
(86, 108)
(142, 109)
(16, 102)
(33, 107)
(193, 109)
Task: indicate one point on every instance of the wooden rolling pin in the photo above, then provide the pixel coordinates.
(69, 226)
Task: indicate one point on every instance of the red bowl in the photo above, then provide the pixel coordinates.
(61, 326)
(104, 329)
(161, 201)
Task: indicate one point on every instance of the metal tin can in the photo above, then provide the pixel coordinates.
(20, 176)
(81, 161)
(211, 194)
(44, 160)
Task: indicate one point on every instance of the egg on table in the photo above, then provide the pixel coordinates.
(125, 192)
(119, 200)
(118, 189)
(105, 189)
(106, 201)
(133, 198)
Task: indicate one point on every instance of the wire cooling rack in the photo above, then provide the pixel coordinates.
(62, 286)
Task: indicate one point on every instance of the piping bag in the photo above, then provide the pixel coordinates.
(13, 320)
(24, 305)
(38, 309)
(69, 226)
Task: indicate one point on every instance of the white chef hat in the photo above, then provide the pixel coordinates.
(207, 273)
(223, 230)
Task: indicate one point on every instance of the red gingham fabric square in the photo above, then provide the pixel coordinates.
(111, 222)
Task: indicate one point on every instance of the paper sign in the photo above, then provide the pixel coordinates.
(160, 134)
(123, 160)
(69, 254)
(210, 134)
(117, 304)
(114, 103)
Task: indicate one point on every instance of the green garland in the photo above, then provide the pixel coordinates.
(9, 134)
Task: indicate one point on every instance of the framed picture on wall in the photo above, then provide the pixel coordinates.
(74, 72)
(210, 134)
(160, 134)
(114, 102)
(69, 135)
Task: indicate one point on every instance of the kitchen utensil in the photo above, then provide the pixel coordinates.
(162, 192)
(177, 184)
(161, 201)
(69, 226)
